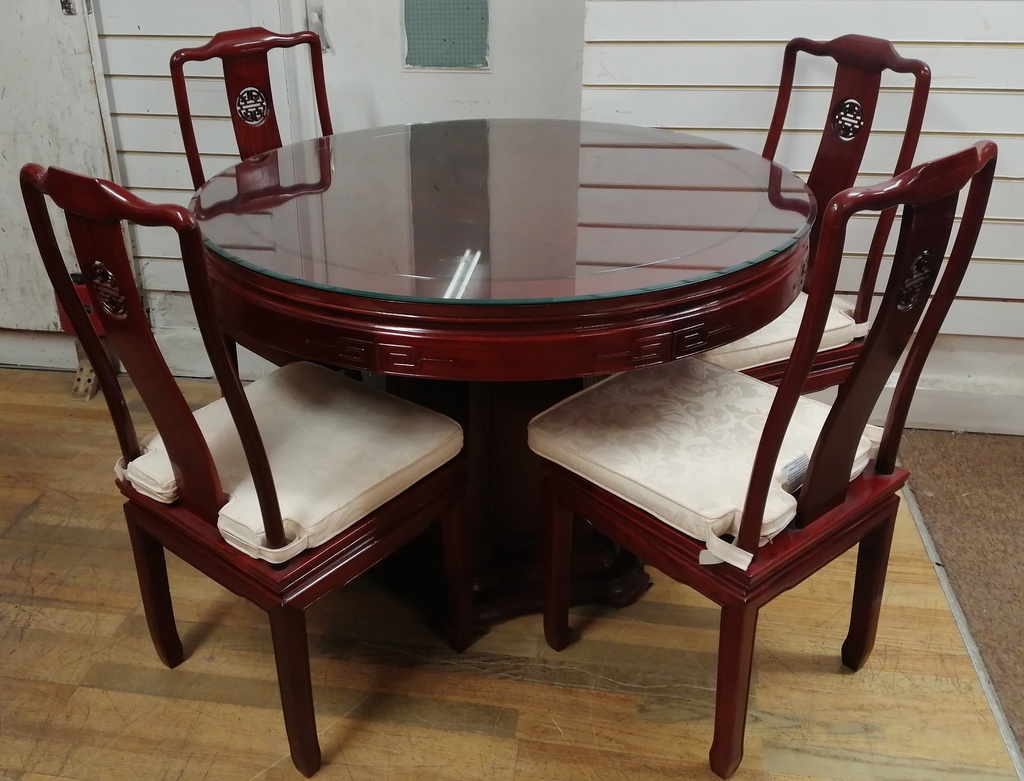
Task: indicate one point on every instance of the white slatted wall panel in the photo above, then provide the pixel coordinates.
(711, 67)
(704, 66)
(136, 41)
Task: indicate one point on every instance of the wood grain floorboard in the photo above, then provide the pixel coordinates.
(85, 697)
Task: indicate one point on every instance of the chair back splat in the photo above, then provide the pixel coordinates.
(283, 490)
(929, 196)
(254, 117)
(93, 211)
(696, 468)
(860, 62)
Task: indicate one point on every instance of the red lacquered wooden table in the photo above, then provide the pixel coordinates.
(485, 267)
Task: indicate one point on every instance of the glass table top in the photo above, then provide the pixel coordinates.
(502, 211)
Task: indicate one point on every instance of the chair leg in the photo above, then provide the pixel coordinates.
(557, 568)
(869, 583)
(456, 544)
(151, 568)
(291, 654)
(735, 660)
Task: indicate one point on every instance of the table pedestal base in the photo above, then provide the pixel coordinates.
(505, 503)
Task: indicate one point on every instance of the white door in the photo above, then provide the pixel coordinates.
(50, 113)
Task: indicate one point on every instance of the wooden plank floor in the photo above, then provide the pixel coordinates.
(83, 696)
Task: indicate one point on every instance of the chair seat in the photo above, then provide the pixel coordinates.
(678, 440)
(775, 341)
(337, 449)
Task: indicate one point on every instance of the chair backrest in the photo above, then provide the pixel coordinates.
(860, 62)
(95, 211)
(928, 195)
(243, 54)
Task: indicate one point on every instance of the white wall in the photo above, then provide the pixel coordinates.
(535, 63)
(137, 40)
(711, 67)
(704, 66)
(536, 51)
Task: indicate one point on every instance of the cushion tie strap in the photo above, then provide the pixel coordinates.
(719, 551)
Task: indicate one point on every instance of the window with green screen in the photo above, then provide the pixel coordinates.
(446, 33)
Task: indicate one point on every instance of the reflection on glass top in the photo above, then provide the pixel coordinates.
(502, 211)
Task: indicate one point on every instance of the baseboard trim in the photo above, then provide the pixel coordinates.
(183, 350)
(973, 384)
(38, 350)
(968, 385)
(977, 412)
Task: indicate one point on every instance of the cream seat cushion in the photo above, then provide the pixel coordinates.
(775, 341)
(679, 439)
(338, 449)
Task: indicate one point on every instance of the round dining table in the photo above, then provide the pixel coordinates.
(488, 268)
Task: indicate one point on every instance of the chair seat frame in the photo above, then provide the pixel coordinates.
(834, 513)
(286, 591)
(96, 211)
(867, 518)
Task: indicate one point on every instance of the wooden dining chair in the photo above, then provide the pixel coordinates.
(860, 62)
(281, 491)
(254, 117)
(742, 490)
